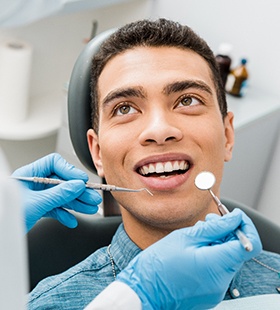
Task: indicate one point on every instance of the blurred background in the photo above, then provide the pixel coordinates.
(50, 40)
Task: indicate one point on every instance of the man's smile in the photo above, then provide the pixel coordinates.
(164, 169)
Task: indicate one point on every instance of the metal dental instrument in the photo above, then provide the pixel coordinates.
(205, 181)
(97, 186)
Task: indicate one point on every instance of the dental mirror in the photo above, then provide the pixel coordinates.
(205, 180)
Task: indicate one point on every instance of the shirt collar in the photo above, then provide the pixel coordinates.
(123, 249)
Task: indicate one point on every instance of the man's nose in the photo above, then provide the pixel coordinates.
(160, 128)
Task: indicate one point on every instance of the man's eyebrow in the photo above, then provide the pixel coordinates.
(124, 93)
(184, 85)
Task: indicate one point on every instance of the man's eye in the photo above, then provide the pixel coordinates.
(124, 110)
(186, 101)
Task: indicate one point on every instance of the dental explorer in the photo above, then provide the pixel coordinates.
(97, 186)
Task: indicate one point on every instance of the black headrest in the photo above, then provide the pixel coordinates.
(79, 100)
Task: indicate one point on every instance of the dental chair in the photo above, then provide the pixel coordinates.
(54, 248)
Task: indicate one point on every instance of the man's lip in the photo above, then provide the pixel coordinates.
(164, 184)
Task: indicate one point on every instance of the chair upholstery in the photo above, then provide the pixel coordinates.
(269, 232)
(79, 99)
(54, 248)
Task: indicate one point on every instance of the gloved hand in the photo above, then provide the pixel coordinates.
(46, 200)
(191, 268)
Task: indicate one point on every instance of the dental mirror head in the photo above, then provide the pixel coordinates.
(205, 180)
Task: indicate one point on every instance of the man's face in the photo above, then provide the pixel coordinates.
(160, 125)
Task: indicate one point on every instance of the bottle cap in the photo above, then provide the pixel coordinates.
(225, 49)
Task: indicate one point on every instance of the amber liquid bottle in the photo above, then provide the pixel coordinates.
(237, 80)
(223, 60)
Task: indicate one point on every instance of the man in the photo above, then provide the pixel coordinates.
(159, 119)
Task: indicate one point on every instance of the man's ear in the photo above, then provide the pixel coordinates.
(229, 135)
(94, 148)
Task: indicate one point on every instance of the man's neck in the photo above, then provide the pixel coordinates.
(143, 234)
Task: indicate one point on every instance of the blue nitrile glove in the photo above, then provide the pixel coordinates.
(188, 269)
(45, 200)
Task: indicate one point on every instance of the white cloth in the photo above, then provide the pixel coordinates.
(117, 296)
(268, 302)
(13, 258)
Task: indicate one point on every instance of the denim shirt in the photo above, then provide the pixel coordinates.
(76, 287)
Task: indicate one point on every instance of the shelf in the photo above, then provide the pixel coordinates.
(256, 122)
(44, 119)
(252, 107)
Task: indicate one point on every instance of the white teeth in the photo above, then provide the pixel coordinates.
(161, 167)
(151, 168)
(145, 169)
(182, 165)
(168, 167)
(176, 165)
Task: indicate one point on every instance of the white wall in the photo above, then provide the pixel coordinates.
(269, 202)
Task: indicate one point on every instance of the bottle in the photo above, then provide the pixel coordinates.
(224, 60)
(237, 80)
